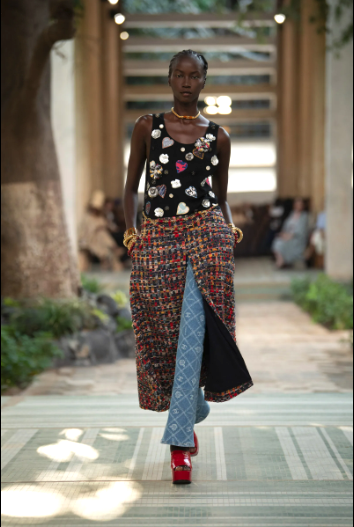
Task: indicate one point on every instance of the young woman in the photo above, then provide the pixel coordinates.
(182, 282)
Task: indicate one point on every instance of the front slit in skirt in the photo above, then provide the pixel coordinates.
(188, 405)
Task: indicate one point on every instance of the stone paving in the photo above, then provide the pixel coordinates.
(78, 451)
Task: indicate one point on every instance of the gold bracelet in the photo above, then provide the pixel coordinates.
(236, 229)
(240, 234)
(130, 231)
(128, 239)
(130, 244)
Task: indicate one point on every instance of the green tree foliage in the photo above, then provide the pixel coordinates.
(182, 6)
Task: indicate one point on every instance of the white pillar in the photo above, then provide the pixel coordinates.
(63, 122)
(339, 163)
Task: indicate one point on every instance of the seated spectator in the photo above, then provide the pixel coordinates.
(95, 240)
(275, 219)
(316, 250)
(290, 244)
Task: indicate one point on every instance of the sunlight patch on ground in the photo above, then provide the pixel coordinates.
(72, 434)
(108, 503)
(64, 450)
(30, 502)
(101, 504)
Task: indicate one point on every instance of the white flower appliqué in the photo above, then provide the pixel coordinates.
(159, 212)
(156, 134)
(164, 158)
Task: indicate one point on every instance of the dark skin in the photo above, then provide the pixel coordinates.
(186, 82)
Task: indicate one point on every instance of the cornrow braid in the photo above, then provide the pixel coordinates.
(188, 53)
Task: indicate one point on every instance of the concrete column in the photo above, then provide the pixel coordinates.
(121, 116)
(305, 109)
(311, 108)
(111, 101)
(89, 164)
(288, 110)
(319, 120)
(302, 108)
(64, 129)
(339, 164)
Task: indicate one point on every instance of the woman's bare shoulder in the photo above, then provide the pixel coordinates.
(223, 136)
(144, 123)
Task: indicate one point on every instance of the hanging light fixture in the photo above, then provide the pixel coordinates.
(221, 105)
(124, 35)
(119, 18)
(280, 18)
(113, 2)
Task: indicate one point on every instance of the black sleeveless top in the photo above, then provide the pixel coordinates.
(177, 174)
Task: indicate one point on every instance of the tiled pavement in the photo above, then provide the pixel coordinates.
(77, 450)
(265, 460)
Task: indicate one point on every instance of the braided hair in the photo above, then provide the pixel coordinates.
(188, 53)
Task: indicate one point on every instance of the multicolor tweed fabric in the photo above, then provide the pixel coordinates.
(157, 284)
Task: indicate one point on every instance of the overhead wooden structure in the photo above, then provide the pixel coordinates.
(235, 91)
(148, 68)
(190, 20)
(225, 44)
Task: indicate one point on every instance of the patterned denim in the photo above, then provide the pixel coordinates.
(188, 406)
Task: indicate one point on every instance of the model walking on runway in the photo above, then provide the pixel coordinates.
(182, 282)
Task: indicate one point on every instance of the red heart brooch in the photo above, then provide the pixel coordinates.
(181, 166)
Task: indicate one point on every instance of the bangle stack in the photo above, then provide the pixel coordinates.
(237, 232)
(129, 238)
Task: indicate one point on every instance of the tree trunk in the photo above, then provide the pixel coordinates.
(36, 254)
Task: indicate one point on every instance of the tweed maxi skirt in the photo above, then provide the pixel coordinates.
(157, 282)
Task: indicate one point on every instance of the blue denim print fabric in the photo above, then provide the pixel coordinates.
(188, 406)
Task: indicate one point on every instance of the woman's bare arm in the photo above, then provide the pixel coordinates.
(140, 144)
(221, 176)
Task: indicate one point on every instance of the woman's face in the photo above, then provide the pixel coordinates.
(187, 79)
(299, 205)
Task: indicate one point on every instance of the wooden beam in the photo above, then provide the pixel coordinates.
(148, 68)
(200, 20)
(236, 92)
(226, 44)
(257, 115)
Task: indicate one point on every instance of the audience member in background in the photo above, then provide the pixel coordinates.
(315, 252)
(275, 217)
(290, 244)
(94, 236)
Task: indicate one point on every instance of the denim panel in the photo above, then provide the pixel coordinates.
(188, 406)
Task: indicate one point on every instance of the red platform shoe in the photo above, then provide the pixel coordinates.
(195, 450)
(180, 458)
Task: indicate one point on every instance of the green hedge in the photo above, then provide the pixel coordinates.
(23, 356)
(91, 285)
(328, 302)
(27, 346)
(54, 317)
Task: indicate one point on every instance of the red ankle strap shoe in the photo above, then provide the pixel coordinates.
(180, 458)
